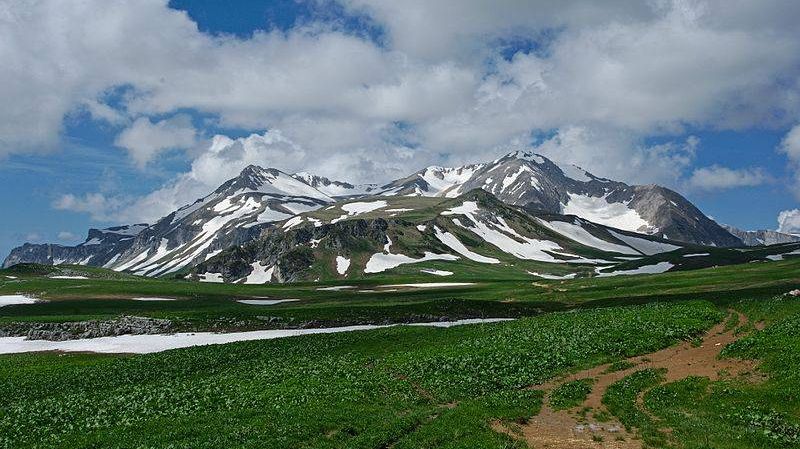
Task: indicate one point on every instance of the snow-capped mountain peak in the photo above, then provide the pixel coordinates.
(334, 188)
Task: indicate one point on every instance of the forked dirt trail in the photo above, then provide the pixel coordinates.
(571, 429)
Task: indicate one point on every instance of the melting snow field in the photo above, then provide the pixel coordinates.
(380, 262)
(645, 246)
(697, 255)
(260, 274)
(504, 237)
(582, 236)
(12, 300)
(342, 264)
(336, 288)
(431, 284)
(211, 277)
(358, 208)
(264, 302)
(553, 276)
(68, 277)
(660, 267)
(153, 299)
(598, 210)
(453, 243)
(436, 272)
(146, 344)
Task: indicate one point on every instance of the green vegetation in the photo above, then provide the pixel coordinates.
(570, 394)
(405, 387)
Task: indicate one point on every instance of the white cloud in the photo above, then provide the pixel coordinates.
(99, 206)
(602, 75)
(790, 146)
(717, 177)
(789, 221)
(618, 155)
(66, 236)
(145, 139)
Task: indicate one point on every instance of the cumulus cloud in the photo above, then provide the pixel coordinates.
(145, 139)
(437, 88)
(717, 177)
(790, 146)
(789, 221)
(99, 206)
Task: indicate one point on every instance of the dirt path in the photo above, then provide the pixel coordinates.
(577, 428)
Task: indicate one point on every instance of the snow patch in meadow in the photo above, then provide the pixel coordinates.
(153, 298)
(68, 277)
(336, 288)
(436, 272)
(211, 277)
(13, 300)
(430, 284)
(697, 255)
(264, 302)
(553, 276)
(147, 344)
(342, 264)
(660, 267)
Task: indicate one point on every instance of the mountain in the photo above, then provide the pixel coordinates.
(538, 184)
(245, 206)
(101, 247)
(233, 214)
(472, 235)
(762, 237)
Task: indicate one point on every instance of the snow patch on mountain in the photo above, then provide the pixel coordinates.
(599, 210)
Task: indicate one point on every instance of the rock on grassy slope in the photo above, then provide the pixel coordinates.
(474, 233)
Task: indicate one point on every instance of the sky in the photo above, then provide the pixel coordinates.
(119, 112)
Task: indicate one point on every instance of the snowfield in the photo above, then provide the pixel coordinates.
(264, 302)
(598, 210)
(660, 267)
(342, 264)
(380, 262)
(436, 272)
(12, 300)
(358, 208)
(260, 274)
(147, 344)
(644, 246)
(453, 243)
(504, 237)
(579, 234)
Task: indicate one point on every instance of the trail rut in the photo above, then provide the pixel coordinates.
(577, 428)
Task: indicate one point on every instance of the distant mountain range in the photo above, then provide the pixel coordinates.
(762, 237)
(257, 204)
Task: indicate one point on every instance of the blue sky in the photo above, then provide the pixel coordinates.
(116, 123)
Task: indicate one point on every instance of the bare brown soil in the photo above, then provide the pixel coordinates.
(578, 429)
